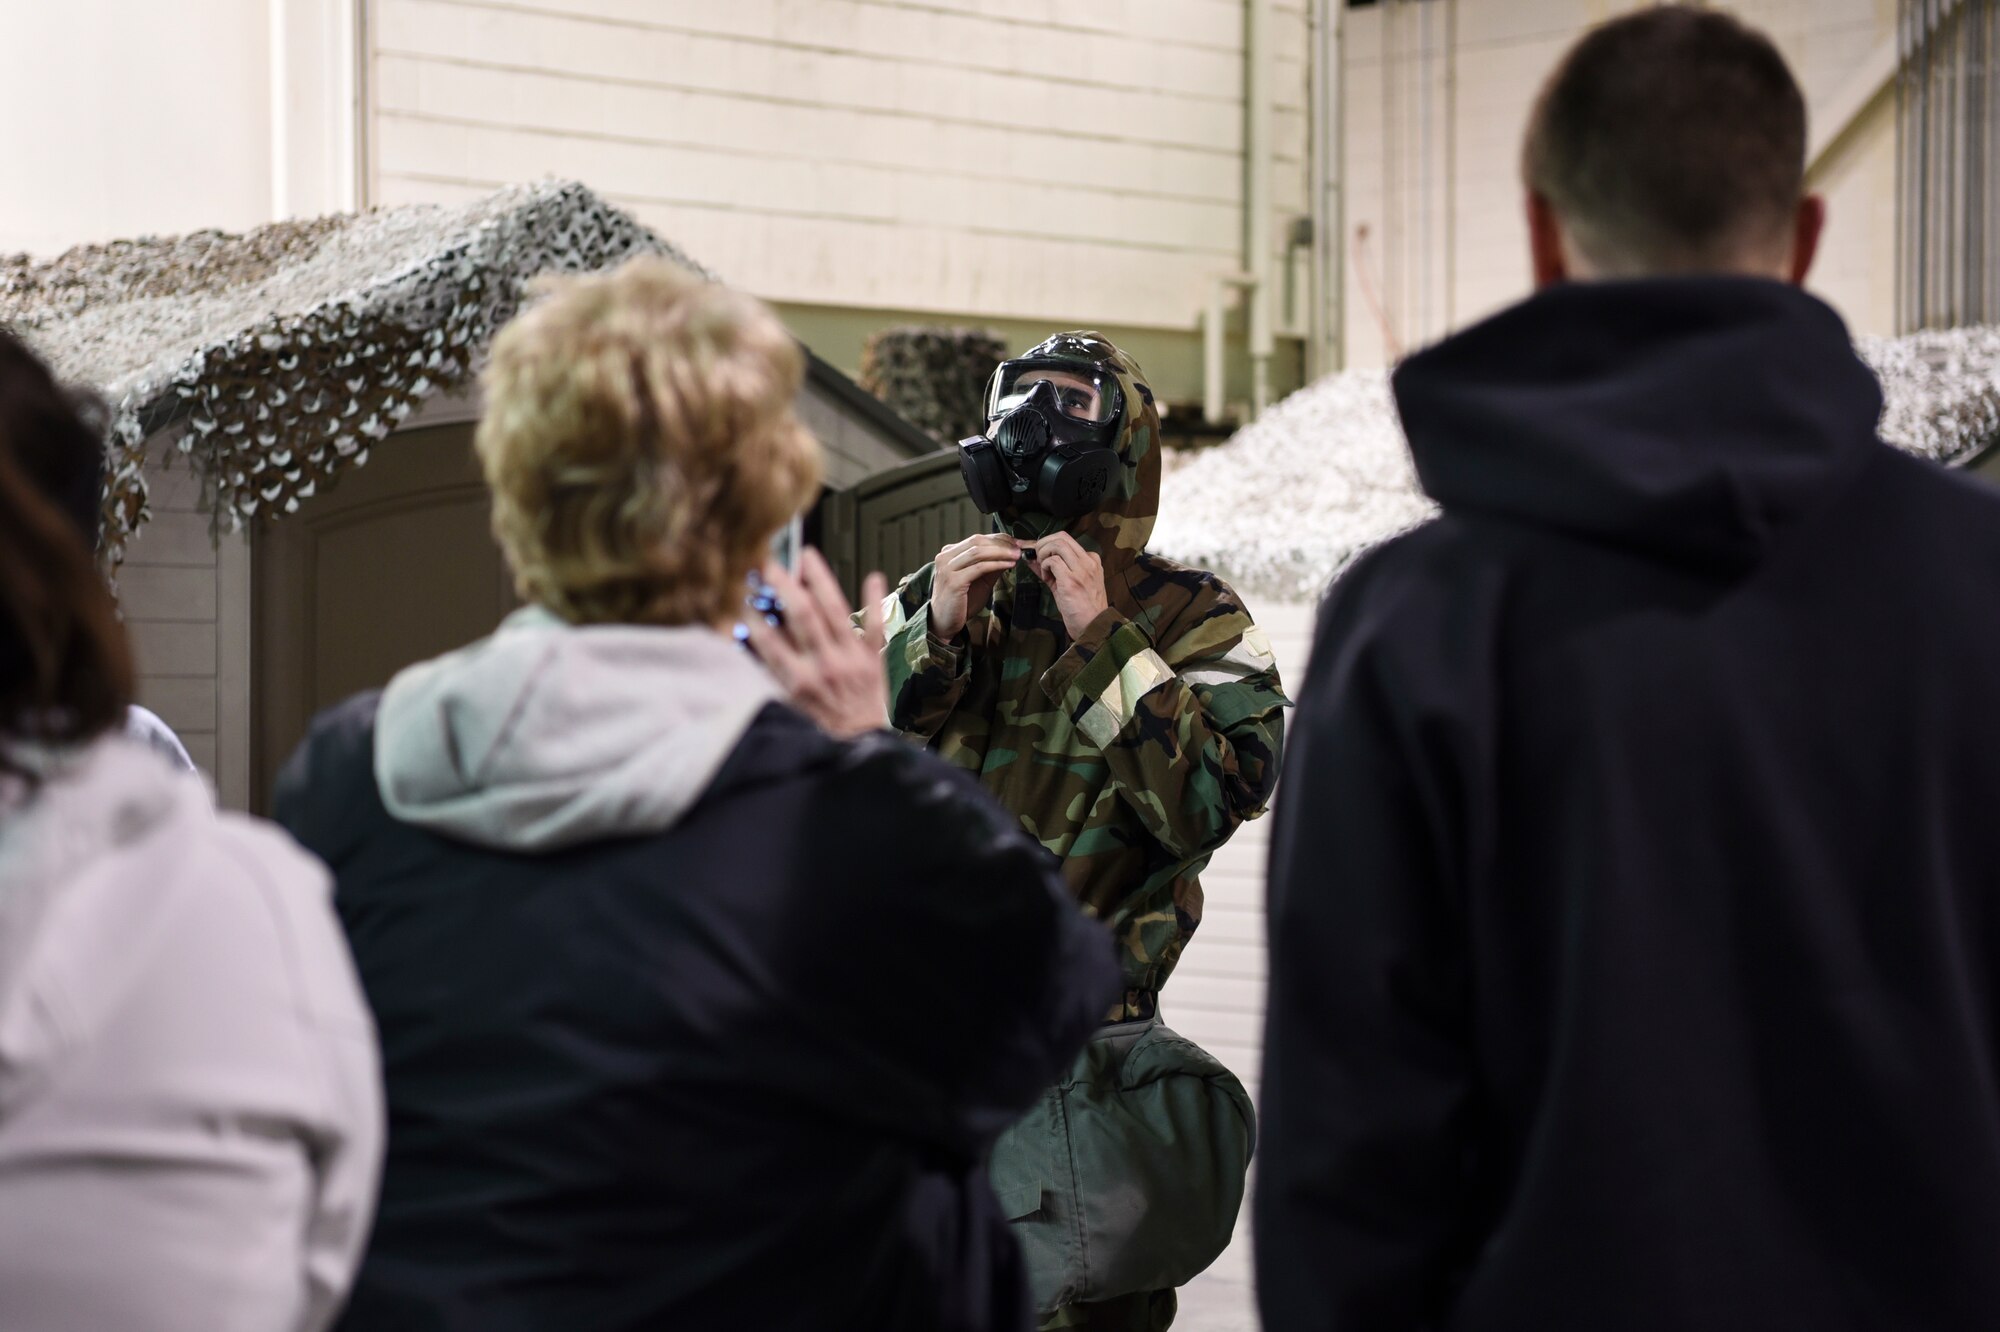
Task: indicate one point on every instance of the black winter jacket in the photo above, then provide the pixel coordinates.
(740, 1074)
(1637, 870)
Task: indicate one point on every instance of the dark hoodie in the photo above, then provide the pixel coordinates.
(1632, 899)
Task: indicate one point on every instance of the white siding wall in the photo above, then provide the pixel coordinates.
(122, 119)
(1504, 53)
(186, 604)
(1009, 158)
(853, 449)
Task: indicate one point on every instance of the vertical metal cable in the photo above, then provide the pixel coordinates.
(1947, 188)
(1392, 152)
(1902, 153)
(1450, 165)
(1420, 327)
(1973, 308)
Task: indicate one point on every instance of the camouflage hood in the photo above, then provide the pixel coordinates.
(1119, 528)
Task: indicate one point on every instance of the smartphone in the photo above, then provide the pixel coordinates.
(763, 600)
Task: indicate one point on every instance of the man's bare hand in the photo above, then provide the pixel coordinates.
(1075, 575)
(828, 671)
(963, 579)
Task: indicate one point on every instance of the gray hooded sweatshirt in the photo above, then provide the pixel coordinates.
(547, 734)
(190, 1103)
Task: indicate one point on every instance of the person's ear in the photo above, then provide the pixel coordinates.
(1545, 243)
(1807, 227)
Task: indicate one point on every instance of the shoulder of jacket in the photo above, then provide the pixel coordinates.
(1189, 613)
(932, 799)
(1389, 611)
(1413, 555)
(341, 740)
(1968, 494)
(1161, 572)
(295, 893)
(325, 788)
(866, 778)
(271, 862)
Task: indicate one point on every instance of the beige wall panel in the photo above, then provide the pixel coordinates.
(852, 450)
(412, 88)
(124, 119)
(1062, 49)
(1856, 271)
(391, 191)
(1162, 24)
(1064, 164)
(713, 179)
(879, 265)
(166, 648)
(201, 747)
(172, 598)
(1503, 55)
(171, 483)
(167, 592)
(186, 703)
(173, 537)
(914, 82)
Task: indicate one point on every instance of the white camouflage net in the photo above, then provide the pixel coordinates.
(1290, 500)
(1942, 390)
(276, 358)
(1282, 507)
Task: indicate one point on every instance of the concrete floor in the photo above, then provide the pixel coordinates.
(1217, 1302)
(1222, 1299)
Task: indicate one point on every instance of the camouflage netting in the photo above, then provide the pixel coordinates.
(1942, 390)
(1291, 499)
(275, 358)
(934, 376)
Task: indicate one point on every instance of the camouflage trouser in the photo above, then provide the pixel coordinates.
(1152, 1312)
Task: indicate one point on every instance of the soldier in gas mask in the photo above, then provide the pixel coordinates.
(1129, 713)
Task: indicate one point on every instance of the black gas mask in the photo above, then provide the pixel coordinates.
(1051, 439)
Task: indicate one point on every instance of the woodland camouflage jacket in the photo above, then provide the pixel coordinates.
(1134, 751)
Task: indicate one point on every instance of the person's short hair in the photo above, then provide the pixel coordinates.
(640, 441)
(1671, 140)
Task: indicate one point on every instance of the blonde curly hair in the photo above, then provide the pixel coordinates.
(640, 443)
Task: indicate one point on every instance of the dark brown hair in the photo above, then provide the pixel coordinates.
(1670, 140)
(66, 671)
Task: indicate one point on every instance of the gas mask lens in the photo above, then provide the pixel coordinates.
(1081, 393)
(1050, 441)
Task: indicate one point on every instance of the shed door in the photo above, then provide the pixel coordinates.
(394, 565)
(896, 521)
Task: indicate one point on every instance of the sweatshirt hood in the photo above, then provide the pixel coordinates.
(1119, 528)
(1691, 419)
(67, 814)
(548, 734)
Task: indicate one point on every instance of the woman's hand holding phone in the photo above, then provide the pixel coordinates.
(829, 672)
